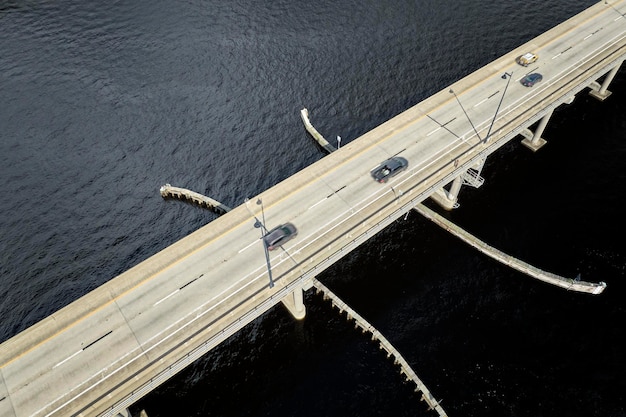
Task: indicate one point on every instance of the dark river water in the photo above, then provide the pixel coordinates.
(103, 102)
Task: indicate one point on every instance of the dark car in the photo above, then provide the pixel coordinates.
(531, 79)
(280, 235)
(389, 168)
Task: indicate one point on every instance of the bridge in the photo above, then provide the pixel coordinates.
(107, 349)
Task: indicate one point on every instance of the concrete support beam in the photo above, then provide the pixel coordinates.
(453, 194)
(602, 93)
(536, 142)
(448, 199)
(295, 303)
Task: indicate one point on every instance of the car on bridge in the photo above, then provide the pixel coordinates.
(531, 79)
(280, 235)
(389, 168)
(527, 59)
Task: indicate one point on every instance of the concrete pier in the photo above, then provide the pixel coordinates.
(536, 142)
(304, 113)
(521, 266)
(365, 326)
(168, 191)
(294, 302)
(601, 91)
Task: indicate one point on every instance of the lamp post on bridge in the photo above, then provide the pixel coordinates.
(259, 202)
(505, 76)
(261, 225)
(466, 115)
(508, 77)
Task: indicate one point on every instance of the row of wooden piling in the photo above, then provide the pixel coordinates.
(384, 344)
(571, 284)
(168, 191)
(304, 114)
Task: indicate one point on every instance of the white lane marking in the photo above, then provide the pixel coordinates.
(480, 102)
(166, 297)
(249, 246)
(433, 131)
(67, 359)
(319, 202)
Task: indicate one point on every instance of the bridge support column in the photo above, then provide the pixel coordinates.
(602, 93)
(448, 199)
(536, 142)
(295, 303)
(453, 194)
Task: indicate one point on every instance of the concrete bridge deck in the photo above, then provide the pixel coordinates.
(110, 347)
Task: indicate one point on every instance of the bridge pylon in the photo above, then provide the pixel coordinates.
(601, 92)
(294, 302)
(534, 141)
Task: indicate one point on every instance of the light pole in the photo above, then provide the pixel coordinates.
(261, 225)
(338, 142)
(259, 202)
(466, 115)
(508, 80)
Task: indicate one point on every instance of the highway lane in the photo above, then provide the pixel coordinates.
(198, 286)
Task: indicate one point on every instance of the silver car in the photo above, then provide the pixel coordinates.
(389, 168)
(280, 235)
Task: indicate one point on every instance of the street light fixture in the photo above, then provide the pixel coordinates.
(261, 225)
(259, 202)
(508, 81)
(466, 115)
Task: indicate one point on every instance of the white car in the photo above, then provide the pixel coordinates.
(527, 59)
